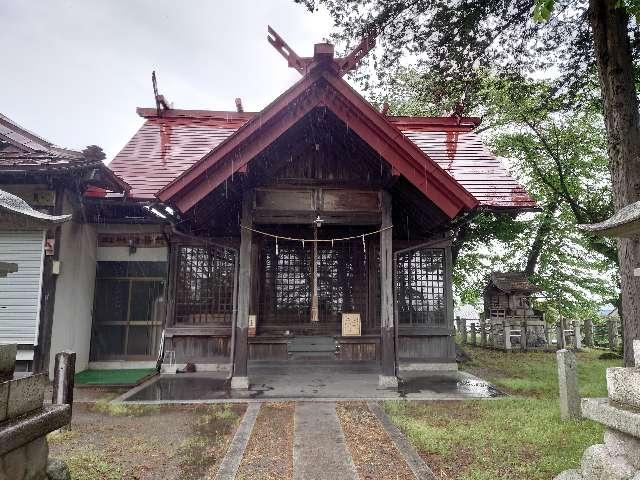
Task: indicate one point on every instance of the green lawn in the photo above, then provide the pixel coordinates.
(113, 377)
(518, 437)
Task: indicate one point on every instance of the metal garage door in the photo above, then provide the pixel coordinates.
(20, 291)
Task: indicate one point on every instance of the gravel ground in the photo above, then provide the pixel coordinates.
(269, 453)
(373, 452)
(129, 442)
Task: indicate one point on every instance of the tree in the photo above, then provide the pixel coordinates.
(577, 38)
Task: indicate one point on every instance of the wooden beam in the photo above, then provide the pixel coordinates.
(240, 379)
(387, 329)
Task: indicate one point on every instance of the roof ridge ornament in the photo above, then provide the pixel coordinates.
(322, 54)
(161, 102)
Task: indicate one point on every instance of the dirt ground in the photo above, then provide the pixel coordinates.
(373, 452)
(145, 442)
(268, 455)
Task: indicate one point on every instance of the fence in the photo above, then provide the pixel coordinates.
(534, 334)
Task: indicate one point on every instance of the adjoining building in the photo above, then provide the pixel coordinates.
(46, 305)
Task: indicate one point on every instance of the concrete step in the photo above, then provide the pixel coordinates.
(315, 344)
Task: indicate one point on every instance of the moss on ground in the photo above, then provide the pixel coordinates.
(520, 437)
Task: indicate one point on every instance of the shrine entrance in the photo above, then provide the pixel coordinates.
(304, 288)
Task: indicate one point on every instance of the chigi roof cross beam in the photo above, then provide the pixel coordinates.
(323, 53)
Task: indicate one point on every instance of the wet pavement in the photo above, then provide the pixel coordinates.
(311, 381)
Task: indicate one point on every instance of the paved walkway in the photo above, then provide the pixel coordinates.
(319, 448)
(310, 381)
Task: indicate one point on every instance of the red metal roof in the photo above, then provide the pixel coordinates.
(166, 147)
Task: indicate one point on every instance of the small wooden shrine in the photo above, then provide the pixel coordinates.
(512, 320)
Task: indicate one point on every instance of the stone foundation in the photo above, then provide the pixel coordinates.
(25, 422)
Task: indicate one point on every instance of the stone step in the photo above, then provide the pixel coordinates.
(297, 356)
(312, 344)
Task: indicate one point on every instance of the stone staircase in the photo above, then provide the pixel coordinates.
(313, 347)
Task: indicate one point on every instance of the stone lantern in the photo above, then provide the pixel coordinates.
(619, 456)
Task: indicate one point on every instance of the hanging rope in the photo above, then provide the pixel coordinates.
(304, 240)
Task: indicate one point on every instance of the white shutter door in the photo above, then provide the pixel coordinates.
(20, 291)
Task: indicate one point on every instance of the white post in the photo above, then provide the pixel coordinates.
(507, 336)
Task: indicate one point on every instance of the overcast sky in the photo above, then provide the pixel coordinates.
(74, 71)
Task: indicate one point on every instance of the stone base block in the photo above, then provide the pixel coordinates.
(623, 385)
(387, 381)
(599, 410)
(622, 445)
(598, 463)
(239, 383)
(28, 462)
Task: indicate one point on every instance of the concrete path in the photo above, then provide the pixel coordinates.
(231, 461)
(319, 448)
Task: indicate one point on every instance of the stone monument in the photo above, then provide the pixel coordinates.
(24, 423)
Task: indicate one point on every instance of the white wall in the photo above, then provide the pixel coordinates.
(73, 308)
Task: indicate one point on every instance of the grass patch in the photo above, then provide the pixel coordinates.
(510, 438)
(88, 463)
(535, 373)
(207, 444)
(123, 410)
(127, 377)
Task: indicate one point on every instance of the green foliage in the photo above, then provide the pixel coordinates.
(559, 154)
(124, 409)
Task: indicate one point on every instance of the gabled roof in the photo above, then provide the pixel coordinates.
(22, 151)
(165, 147)
(509, 282)
(320, 88)
(181, 156)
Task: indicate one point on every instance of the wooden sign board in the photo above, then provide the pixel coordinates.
(351, 325)
(252, 325)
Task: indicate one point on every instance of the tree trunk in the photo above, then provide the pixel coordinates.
(620, 102)
(541, 236)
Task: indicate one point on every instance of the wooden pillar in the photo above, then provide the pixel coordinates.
(240, 380)
(387, 329)
(63, 378)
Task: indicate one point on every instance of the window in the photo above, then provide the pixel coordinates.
(205, 285)
(420, 287)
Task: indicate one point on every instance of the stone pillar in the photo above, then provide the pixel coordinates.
(612, 330)
(588, 332)
(561, 343)
(7, 361)
(463, 331)
(568, 383)
(523, 335)
(483, 331)
(577, 335)
(474, 336)
(619, 456)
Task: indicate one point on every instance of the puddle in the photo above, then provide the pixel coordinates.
(183, 388)
(448, 386)
(187, 387)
